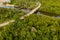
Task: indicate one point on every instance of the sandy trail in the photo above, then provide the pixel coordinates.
(6, 23)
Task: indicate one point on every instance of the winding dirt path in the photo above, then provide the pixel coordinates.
(11, 21)
(6, 23)
(32, 11)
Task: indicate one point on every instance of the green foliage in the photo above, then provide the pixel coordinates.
(7, 14)
(47, 29)
(28, 4)
(51, 7)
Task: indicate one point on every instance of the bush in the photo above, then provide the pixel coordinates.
(47, 29)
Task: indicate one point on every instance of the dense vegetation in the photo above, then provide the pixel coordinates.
(35, 27)
(7, 14)
(48, 6)
(28, 4)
